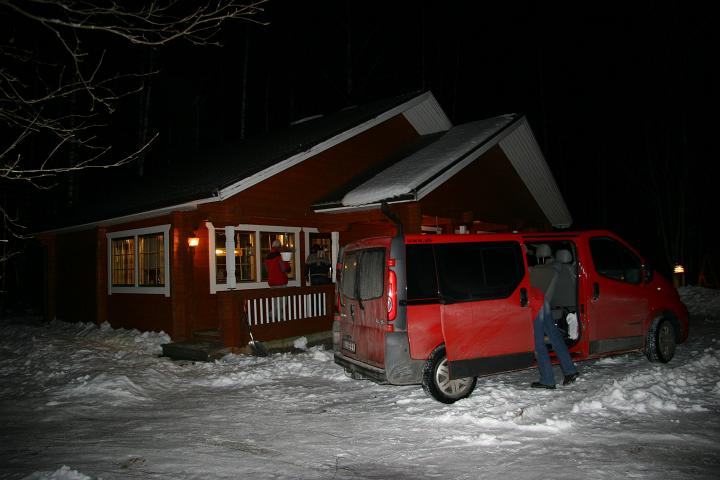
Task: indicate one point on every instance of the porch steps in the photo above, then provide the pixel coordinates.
(195, 350)
(211, 335)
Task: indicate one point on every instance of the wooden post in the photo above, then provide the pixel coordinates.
(230, 310)
(51, 277)
(101, 277)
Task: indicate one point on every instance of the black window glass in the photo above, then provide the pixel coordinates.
(349, 270)
(421, 277)
(363, 274)
(371, 274)
(478, 271)
(501, 266)
(614, 260)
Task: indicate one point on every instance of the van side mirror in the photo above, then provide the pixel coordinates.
(648, 273)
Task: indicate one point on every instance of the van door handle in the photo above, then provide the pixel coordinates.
(523, 297)
(596, 292)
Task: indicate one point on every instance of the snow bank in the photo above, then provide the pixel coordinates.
(62, 473)
(701, 301)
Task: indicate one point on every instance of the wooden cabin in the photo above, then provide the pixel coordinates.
(183, 253)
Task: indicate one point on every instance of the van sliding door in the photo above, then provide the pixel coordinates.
(485, 316)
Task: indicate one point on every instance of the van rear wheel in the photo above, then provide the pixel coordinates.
(437, 383)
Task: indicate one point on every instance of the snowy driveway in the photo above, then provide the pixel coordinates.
(79, 402)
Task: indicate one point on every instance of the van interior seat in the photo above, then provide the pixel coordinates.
(565, 297)
(544, 275)
(543, 253)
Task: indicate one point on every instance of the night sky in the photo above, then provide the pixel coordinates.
(621, 97)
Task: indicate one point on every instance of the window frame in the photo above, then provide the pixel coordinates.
(302, 234)
(257, 230)
(135, 234)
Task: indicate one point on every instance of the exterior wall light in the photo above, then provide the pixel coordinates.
(678, 275)
(193, 240)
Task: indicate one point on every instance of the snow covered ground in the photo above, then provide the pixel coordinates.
(79, 402)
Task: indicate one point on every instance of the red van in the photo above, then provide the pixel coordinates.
(441, 310)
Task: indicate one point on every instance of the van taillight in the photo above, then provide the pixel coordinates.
(392, 296)
(338, 277)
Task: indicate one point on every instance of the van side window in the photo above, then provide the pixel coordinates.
(614, 260)
(479, 271)
(363, 274)
(421, 277)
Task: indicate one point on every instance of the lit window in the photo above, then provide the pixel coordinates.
(138, 261)
(151, 253)
(123, 261)
(287, 244)
(245, 265)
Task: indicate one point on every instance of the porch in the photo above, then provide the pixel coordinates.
(275, 316)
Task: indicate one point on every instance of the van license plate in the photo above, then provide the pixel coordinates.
(348, 345)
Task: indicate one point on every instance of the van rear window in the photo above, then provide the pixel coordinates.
(363, 274)
(422, 286)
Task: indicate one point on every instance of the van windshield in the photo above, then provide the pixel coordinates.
(363, 275)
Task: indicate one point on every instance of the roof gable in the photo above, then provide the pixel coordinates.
(417, 175)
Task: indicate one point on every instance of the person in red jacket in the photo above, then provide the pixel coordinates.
(276, 267)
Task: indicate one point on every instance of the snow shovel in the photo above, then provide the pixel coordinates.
(257, 348)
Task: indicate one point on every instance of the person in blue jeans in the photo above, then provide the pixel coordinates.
(544, 325)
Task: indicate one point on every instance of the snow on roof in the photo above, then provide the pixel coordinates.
(405, 176)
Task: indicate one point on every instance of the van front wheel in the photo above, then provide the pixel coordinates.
(437, 383)
(660, 341)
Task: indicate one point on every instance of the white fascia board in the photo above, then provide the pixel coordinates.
(424, 109)
(526, 157)
(360, 208)
(428, 117)
(183, 207)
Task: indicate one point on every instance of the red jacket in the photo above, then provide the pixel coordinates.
(276, 268)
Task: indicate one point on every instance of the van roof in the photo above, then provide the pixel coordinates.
(474, 237)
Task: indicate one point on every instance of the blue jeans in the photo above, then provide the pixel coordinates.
(544, 325)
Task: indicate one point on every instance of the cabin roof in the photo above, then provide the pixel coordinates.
(218, 173)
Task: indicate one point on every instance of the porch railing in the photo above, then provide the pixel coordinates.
(275, 313)
(285, 305)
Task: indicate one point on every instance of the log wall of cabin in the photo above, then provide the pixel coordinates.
(284, 199)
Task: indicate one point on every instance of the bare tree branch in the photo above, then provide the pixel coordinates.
(59, 86)
(155, 24)
(33, 94)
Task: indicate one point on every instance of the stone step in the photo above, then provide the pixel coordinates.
(210, 334)
(195, 350)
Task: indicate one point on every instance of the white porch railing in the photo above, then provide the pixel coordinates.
(285, 308)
